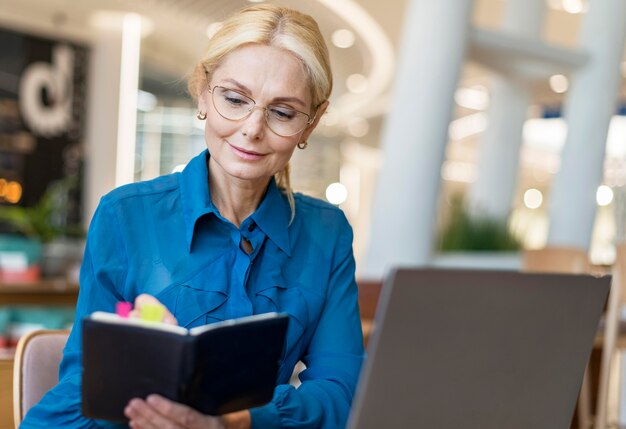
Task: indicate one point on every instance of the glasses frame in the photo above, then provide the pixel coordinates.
(256, 107)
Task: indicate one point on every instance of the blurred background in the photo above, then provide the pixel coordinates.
(470, 95)
(105, 104)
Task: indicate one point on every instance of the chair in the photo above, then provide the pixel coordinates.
(369, 292)
(36, 368)
(571, 260)
(556, 260)
(608, 393)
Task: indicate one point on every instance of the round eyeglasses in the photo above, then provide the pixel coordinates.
(282, 120)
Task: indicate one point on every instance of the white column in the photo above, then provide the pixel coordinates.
(499, 149)
(589, 106)
(112, 106)
(416, 133)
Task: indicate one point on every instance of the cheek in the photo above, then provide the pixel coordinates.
(283, 145)
(215, 129)
(283, 153)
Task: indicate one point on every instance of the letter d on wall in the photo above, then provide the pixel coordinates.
(50, 117)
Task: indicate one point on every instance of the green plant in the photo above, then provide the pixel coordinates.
(475, 232)
(46, 220)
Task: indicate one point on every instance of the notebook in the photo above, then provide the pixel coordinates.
(216, 368)
(478, 349)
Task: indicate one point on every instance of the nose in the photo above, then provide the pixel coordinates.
(253, 126)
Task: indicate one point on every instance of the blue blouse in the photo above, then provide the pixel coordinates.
(166, 238)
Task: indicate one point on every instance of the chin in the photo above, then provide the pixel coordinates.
(246, 172)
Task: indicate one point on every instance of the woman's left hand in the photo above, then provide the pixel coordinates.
(157, 412)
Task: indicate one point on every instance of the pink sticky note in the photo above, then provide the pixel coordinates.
(122, 309)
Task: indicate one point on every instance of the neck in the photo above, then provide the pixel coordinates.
(235, 199)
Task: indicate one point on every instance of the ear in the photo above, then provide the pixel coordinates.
(204, 99)
(318, 115)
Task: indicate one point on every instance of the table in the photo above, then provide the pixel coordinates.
(55, 292)
(43, 292)
(6, 390)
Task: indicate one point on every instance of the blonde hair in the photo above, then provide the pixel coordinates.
(276, 26)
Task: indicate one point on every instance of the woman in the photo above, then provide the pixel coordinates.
(227, 238)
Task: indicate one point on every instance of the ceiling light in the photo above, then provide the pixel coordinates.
(555, 4)
(533, 198)
(455, 171)
(468, 125)
(569, 6)
(179, 168)
(343, 38)
(559, 83)
(604, 195)
(573, 6)
(146, 101)
(336, 193)
(356, 83)
(475, 98)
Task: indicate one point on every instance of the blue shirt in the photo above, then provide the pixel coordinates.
(166, 238)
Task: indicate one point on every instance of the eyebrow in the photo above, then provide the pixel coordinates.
(244, 88)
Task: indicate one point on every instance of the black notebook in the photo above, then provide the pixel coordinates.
(216, 369)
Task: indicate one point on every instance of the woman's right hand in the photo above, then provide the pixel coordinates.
(145, 299)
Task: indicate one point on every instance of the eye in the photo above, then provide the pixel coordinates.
(282, 113)
(235, 99)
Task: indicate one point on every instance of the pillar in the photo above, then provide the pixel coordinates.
(589, 105)
(415, 134)
(499, 149)
(112, 106)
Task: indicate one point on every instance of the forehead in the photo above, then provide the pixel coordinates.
(266, 71)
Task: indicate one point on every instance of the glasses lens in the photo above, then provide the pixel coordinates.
(282, 120)
(231, 104)
(285, 121)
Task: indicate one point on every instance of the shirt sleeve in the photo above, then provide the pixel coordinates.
(333, 358)
(102, 277)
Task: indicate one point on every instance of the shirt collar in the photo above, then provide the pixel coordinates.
(194, 193)
(272, 216)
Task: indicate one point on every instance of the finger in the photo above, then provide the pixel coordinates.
(169, 318)
(134, 414)
(144, 416)
(181, 414)
(178, 412)
(145, 299)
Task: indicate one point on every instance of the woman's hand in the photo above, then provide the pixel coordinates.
(157, 412)
(143, 300)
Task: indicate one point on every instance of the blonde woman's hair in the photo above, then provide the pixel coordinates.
(276, 26)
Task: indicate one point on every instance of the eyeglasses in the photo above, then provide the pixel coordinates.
(282, 120)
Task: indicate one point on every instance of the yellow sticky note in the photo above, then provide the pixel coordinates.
(152, 312)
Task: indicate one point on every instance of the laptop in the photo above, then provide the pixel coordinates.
(472, 349)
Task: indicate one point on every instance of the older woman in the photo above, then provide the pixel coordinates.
(227, 237)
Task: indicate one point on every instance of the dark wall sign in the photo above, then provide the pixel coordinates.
(42, 108)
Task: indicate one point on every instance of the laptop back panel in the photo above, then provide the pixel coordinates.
(478, 349)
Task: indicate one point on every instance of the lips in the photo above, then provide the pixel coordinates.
(245, 154)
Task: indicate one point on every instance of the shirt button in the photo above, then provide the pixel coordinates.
(251, 227)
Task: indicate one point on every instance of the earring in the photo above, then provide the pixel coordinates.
(201, 116)
(303, 144)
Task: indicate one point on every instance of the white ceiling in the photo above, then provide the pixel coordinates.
(178, 35)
